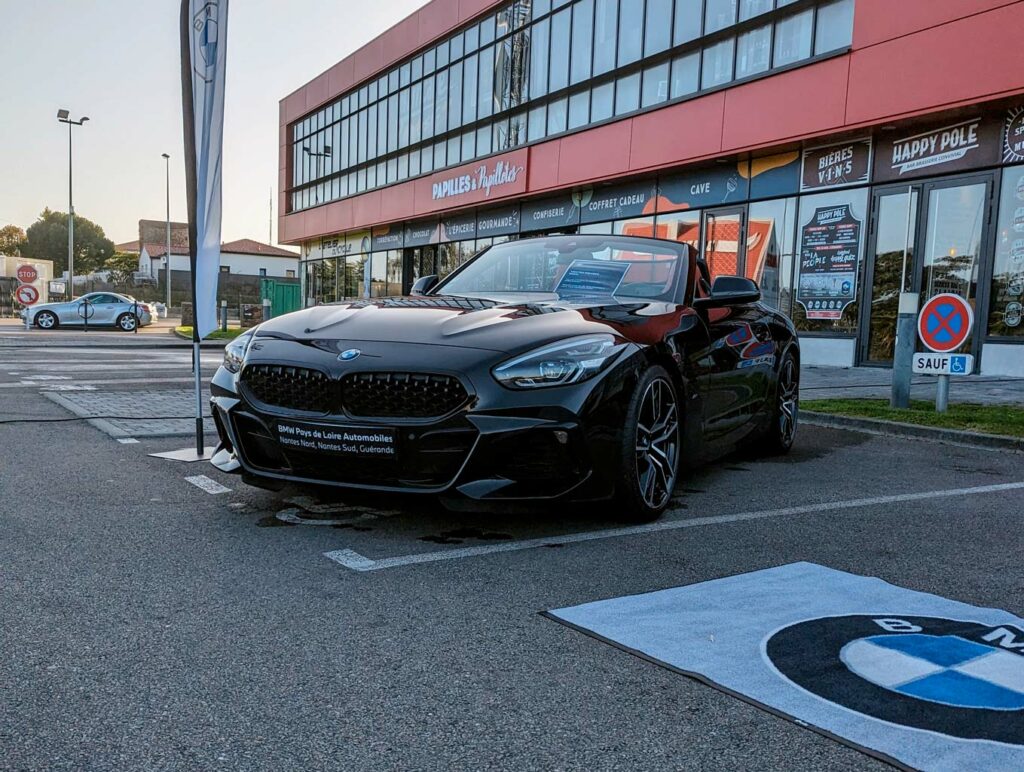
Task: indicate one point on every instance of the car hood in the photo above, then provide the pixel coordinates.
(490, 324)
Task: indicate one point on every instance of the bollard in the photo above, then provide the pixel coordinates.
(224, 315)
(266, 309)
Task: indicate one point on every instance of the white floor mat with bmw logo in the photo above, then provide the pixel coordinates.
(915, 679)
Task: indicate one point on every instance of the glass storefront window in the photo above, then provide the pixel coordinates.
(793, 38)
(771, 228)
(394, 274)
(683, 227)
(601, 106)
(627, 94)
(717, 67)
(1005, 311)
(685, 72)
(834, 26)
(655, 85)
(830, 222)
(579, 109)
(753, 51)
(635, 226)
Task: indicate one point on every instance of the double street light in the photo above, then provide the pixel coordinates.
(65, 117)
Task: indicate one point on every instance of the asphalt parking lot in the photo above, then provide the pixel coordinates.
(151, 624)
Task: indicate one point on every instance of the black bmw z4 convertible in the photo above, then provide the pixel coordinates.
(565, 367)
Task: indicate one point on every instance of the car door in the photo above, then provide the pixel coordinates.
(106, 309)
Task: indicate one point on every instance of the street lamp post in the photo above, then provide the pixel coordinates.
(65, 117)
(167, 254)
(325, 154)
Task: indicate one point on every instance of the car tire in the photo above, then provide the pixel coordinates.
(651, 448)
(46, 320)
(784, 409)
(127, 322)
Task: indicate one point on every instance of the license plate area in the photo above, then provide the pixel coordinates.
(378, 442)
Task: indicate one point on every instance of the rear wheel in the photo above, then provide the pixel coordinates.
(127, 322)
(778, 439)
(46, 320)
(650, 448)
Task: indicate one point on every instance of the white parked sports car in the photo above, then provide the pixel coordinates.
(103, 309)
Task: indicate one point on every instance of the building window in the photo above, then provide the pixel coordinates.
(1006, 318)
(417, 117)
(263, 271)
(289, 273)
(225, 269)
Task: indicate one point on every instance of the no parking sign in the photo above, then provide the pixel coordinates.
(945, 323)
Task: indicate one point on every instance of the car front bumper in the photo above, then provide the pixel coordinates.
(501, 445)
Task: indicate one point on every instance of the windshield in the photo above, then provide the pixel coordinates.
(572, 267)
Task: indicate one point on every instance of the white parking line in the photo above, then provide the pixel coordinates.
(203, 482)
(127, 440)
(356, 562)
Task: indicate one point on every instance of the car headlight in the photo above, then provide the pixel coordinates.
(559, 364)
(234, 352)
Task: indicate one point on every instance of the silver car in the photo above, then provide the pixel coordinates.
(103, 309)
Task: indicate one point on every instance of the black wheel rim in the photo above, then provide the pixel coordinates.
(657, 443)
(789, 401)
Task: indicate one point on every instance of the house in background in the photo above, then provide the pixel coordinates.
(244, 257)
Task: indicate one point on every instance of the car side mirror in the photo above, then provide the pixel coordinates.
(730, 291)
(424, 284)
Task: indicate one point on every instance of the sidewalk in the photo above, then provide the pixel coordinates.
(875, 382)
(160, 333)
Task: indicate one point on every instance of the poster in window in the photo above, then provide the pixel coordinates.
(829, 261)
(1013, 136)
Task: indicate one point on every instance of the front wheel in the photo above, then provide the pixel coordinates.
(127, 322)
(46, 320)
(650, 448)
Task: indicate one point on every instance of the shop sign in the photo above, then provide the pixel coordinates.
(550, 214)
(829, 261)
(776, 175)
(387, 237)
(420, 234)
(342, 244)
(1013, 136)
(954, 147)
(615, 202)
(476, 182)
(459, 228)
(498, 222)
(697, 189)
(836, 166)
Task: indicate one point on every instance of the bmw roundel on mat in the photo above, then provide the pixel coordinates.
(915, 679)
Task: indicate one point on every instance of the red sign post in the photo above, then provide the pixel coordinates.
(27, 274)
(945, 322)
(27, 295)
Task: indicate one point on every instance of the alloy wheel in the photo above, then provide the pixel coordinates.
(45, 321)
(789, 401)
(128, 322)
(657, 443)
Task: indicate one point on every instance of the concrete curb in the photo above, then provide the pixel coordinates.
(899, 429)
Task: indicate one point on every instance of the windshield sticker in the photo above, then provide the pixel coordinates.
(587, 278)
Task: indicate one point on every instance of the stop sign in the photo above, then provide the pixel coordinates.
(27, 274)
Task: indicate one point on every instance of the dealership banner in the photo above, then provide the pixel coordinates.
(203, 82)
(829, 262)
(836, 166)
(952, 147)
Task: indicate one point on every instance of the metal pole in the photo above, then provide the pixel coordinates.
(197, 364)
(903, 356)
(224, 315)
(167, 254)
(942, 394)
(71, 224)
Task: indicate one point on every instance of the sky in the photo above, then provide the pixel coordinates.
(117, 61)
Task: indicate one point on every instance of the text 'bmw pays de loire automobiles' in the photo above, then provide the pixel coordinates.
(572, 367)
(100, 309)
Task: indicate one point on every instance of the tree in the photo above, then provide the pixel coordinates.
(47, 239)
(11, 239)
(122, 265)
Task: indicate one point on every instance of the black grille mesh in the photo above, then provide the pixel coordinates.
(401, 395)
(363, 395)
(295, 388)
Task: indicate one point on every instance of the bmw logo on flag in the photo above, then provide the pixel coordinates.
(958, 678)
(349, 354)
